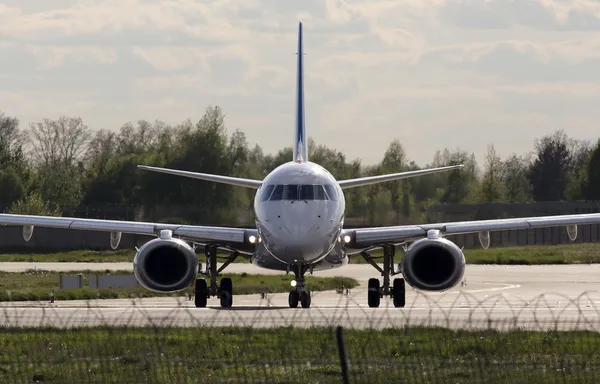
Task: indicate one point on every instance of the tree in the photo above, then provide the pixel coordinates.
(515, 171)
(61, 141)
(394, 161)
(492, 189)
(581, 151)
(550, 171)
(457, 185)
(15, 175)
(34, 204)
(591, 171)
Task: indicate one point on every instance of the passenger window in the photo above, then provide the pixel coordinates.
(277, 193)
(266, 192)
(307, 192)
(331, 192)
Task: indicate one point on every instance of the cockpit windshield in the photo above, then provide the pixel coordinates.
(292, 192)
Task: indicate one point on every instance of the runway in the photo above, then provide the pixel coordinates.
(501, 297)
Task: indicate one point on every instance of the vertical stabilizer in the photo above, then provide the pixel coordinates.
(300, 142)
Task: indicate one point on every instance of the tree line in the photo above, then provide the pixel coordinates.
(61, 166)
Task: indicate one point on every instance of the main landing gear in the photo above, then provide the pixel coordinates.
(299, 293)
(224, 291)
(376, 291)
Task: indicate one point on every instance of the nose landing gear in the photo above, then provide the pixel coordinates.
(299, 293)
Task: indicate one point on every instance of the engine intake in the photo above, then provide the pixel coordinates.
(165, 265)
(433, 264)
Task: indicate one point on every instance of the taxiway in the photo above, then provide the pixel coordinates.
(502, 297)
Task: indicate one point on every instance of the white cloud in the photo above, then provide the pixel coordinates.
(51, 57)
(433, 73)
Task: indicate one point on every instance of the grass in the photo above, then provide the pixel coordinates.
(531, 255)
(578, 253)
(37, 285)
(294, 355)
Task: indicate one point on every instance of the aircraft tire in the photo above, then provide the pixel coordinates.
(399, 292)
(305, 299)
(200, 293)
(226, 296)
(373, 294)
(293, 299)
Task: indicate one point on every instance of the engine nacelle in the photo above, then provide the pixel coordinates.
(433, 264)
(165, 264)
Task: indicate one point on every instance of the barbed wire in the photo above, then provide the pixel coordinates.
(454, 336)
(454, 309)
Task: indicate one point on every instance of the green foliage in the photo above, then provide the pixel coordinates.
(492, 183)
(79, 170)
(576, 253)
(590, 175)
(205, 354)
(37, 285)
(34, 204)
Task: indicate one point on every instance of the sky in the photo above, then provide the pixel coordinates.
(433, 74)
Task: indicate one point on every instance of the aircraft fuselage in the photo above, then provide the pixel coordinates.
(299, 212)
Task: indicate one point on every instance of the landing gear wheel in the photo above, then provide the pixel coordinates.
(200, 293)
(399, 293)
(305, 299)
(293, 299)
(374, 293)
(226, 292)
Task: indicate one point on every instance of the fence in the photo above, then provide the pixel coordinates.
(435, 339)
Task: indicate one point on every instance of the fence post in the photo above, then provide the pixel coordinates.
(343, 355)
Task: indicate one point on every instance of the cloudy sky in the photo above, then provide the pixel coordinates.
(431, 73)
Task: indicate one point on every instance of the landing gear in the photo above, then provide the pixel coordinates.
(294, 298)
(299, 293)
(305, 299)
(224, 291)
(375, 290)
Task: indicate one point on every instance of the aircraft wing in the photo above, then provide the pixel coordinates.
(372, 237)
(237, 238)
(368, 180)
(238, 181)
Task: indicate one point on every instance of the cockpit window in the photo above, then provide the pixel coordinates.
(293, 192)
(331, 192)
(320, 193)
(307, 192)
(277, 193)
(266, 192)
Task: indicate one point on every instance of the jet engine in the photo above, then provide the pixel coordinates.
(433, 264)
(165, 264)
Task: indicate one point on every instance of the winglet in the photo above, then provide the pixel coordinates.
(300, 144)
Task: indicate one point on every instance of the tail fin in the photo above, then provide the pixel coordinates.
(300, 142)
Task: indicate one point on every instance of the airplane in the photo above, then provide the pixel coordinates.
(299, 228)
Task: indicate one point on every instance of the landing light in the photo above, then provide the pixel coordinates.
(347, 239)
(293, 283)
(252, 239)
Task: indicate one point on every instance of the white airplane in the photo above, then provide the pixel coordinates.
(299, 209)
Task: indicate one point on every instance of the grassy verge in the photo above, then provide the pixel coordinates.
(219, 355)
(37, 285)
(84, 256)
(531, 255)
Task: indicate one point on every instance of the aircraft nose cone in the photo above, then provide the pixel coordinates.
(299, 230)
